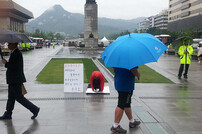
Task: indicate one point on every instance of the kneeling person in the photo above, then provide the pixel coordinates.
(97, 81)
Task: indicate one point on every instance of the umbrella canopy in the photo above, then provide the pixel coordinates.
(13, 37)
(132, 50)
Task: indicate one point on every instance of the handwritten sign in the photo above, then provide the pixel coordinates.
(73, 78)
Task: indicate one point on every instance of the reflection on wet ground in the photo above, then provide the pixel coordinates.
(162, 108)
(71, 52)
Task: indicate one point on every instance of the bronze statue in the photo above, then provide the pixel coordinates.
(91, 35)
(90, 1)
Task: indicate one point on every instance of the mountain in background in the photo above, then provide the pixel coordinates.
(56, 19)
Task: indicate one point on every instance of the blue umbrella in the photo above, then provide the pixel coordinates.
(132, 50)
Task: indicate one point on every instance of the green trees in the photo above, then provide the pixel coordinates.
(116, 35)
(46, 35)
(176, 38)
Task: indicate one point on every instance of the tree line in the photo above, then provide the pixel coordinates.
(176, 38)
(46, 35)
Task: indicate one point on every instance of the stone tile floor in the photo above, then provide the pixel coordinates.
(162, 108)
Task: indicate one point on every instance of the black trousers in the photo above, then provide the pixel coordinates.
(15, 94)
(182, 68)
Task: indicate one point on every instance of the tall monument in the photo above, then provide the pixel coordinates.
(91, 24)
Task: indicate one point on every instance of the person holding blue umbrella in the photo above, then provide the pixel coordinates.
(125, 54)
(124, 84)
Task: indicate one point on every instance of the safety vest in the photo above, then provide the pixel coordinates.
(185, 58)
(28, 45)
(22, 45)
(171, 45)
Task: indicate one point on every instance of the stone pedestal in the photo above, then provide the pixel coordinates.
(91, 42)
(91, 25)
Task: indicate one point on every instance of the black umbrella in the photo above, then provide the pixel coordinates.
(13, 37)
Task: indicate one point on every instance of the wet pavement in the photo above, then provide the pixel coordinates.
(162, 108)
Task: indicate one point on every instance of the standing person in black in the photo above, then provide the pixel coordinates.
(15, 78)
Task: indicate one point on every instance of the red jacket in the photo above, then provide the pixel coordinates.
(102, 80)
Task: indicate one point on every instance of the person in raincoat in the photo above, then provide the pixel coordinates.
(54, 45)
(27, 46)
(185, 52)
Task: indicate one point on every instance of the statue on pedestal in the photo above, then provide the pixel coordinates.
(90, 1)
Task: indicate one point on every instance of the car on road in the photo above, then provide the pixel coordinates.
(4, 49)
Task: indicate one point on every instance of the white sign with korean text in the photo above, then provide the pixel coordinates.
(73, 78)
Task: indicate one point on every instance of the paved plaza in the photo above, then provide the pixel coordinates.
(162, 108)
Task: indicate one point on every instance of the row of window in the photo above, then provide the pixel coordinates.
(177, 3)
(186, 6)
(160, 17)
(164, 18)
(161, 23)
(159, 26)
(186, 14)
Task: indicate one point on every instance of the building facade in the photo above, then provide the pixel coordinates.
(184, 14)
(144, 25)
(161, 20)
(13, 16)
(151, 20)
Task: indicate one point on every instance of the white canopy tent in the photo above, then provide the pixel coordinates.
(105, 41)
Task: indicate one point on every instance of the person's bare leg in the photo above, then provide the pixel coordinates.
(128, 112)
(132, 123)
(118, 115)
(116, 128)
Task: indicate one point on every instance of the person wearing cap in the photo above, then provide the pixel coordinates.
(185, 52)
(15, 78)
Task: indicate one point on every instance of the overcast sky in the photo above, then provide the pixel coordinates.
(117, 9)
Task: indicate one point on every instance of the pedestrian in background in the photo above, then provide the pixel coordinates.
(199, 52)
(124, 84)
(53, 45)
(15, 78)
(185, 52)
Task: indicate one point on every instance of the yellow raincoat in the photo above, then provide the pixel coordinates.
(185, 58)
